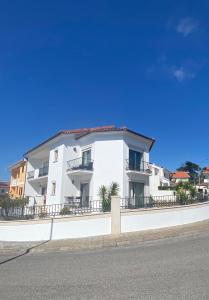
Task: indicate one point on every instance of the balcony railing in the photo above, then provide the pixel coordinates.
(80, 164)
(43, 171)
(30, 174)
(141, 166)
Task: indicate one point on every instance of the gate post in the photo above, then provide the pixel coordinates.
(115, 215)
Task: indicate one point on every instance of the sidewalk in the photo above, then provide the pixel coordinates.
(124, 239)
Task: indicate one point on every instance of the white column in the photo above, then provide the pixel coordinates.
(115, 215)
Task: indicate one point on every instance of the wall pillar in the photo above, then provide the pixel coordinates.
(115, 215)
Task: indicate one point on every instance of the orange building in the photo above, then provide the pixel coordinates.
(17, 180)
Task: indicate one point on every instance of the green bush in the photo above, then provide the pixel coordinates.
(106, 205)
(65, 211)
(106, 193)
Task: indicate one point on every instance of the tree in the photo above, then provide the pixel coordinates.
(106, 193)
(186, 192)
(8, 204)
(192, 168)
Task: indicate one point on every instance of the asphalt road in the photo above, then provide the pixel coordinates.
(175, 268)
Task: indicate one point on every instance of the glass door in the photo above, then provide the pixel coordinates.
(86, 158)
(84, 194)
(136, 193)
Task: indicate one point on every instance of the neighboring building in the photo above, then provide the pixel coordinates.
(206, 175)
(180, 176)
(73, 164)
(4, 188)
(17, 180)
(160, 177)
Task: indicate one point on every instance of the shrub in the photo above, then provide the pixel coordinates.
(65, 211)
(42, 213)
(106, 193)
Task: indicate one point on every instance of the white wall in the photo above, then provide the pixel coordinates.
(161, 218)
(95, 225)
(56, 171)
(74, 227)
(108, 163)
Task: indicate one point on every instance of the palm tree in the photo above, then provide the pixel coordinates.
(106, 193)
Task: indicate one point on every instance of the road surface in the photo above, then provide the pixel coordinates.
(174, 268)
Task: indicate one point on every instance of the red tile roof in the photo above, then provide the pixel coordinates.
(4, 184)
(85, 131)
(181, 175)
(206, 170)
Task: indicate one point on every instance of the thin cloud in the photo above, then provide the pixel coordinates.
(187, 26)
(187, 70)
(181, 74)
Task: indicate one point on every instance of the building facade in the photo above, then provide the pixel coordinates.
(160, 177)
(206, 175)
(74, 164)
(4, 188)
(180, 176)
(17, 179)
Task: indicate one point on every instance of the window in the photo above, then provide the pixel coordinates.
(55, 155)
(20, 191)
(53, 188)
(156, 172)
(135, 160)
(23, 169)
(86, 157)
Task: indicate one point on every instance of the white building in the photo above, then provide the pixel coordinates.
(206, 175)
(73, 164)
(160, 177)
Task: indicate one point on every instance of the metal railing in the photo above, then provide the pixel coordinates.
(79, 164)
(30, 174)
(55, 210)
(160, 201)
(141, 166)
(78, 206)
(43, 171)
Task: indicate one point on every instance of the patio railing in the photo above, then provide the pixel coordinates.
(79, 164)
(55, 210)
(139, 166)
(78, 206)
(160, 201)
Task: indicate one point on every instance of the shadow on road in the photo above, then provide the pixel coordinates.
(29, 249)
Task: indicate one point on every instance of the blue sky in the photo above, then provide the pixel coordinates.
(71, 64)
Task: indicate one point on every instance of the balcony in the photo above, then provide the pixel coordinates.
(14, 182)
(80, 166)
(134, 167)
(38, 174)
(43, 171)
(30, 175)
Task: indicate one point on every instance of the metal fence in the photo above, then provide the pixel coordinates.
(45, 211)
(94, 206)
(160, 201)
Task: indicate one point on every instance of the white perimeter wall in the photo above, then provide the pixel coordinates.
(96, 225)
(63, 228)
(161, 218)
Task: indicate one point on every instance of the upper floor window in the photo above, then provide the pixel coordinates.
(135, 159)
(156, 171)
(55, 155)
(86, 157)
